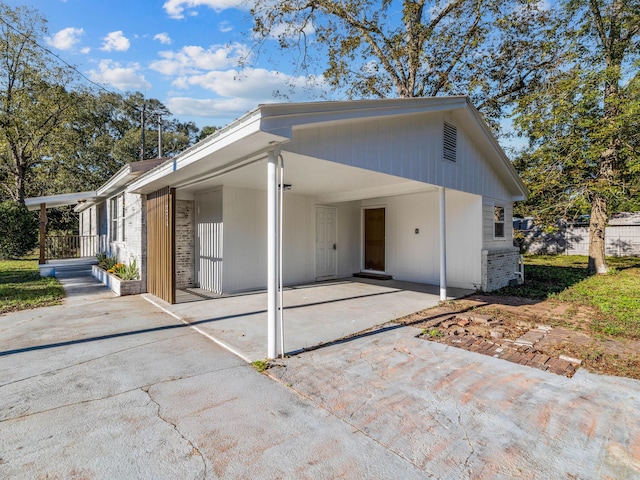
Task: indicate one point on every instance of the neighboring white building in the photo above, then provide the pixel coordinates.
(364, 188)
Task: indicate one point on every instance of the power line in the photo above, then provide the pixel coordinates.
(67, 64)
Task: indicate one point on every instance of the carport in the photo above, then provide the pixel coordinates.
(295, 193)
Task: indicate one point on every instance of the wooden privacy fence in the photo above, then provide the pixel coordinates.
(161, 233)
(72, 246)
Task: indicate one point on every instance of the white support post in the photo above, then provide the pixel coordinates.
(443, 247)
(272, 255)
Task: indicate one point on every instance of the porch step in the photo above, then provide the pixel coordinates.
(70, 268)
(374, 276)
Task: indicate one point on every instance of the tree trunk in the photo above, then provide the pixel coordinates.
(20, 176)
(597, 226)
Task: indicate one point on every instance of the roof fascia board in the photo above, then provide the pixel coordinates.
(523, 191)
(282, 118)
(234, 132)
(60, 200)
(114, 182)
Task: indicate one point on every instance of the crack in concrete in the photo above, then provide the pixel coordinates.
(82, 402)
(462, 427)
(175, 427)
(468, 440)
(92, 359)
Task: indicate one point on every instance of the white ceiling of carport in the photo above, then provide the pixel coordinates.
(329, 182)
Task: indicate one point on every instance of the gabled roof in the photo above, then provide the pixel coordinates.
(120, 180)
(264, 128)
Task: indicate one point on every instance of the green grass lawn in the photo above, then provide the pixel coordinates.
(616, 296)
(21, 286)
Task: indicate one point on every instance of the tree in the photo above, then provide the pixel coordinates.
(18, 230)
(206, 131)
(491, 50)
(33, 98)
(583, 127)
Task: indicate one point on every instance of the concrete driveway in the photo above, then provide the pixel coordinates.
(105, 387)
(458, 414)
(113, 388)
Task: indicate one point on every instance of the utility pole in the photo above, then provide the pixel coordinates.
(144, 108)
(159, 135)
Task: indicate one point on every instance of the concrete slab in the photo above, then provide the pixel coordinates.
(107, 387)
(112, 387)
(458, 414)
(314, 314)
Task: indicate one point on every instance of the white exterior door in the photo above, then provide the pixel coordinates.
(326, 246)
(209, 241)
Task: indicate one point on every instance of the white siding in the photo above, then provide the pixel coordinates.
(410, 256)
(464, 239)
(245, 239)
(348, 238)
(488, 239)
(416, 257)
(408, 147)
(209, 241)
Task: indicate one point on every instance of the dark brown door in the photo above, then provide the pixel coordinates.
(374, 239)
(161, 236)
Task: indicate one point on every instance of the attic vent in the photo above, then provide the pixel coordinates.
(449, 142)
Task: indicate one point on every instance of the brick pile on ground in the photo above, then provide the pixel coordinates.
(486, 335)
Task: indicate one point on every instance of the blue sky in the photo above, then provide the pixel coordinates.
(183, 52)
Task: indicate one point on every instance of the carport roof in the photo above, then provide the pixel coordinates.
(250, 137)
(61, 200)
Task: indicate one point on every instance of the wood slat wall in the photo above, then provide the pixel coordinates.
(161, 234)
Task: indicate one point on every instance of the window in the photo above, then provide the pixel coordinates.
(498, 222)
(116, 212)
(450, 141)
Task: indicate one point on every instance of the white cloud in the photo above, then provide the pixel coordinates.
(163, 38)
(194, 59)
(122, 78)
(218, 107)
(242, 91)
(116, 41)
(176, 8)
(85, 50)
(225, 26)
(65, 39)
(291, 30)
(257, 84)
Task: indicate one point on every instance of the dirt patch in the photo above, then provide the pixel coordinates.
(549, 335)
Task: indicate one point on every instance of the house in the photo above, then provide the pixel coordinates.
(416, 189)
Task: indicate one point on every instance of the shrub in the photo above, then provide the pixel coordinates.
(122, 270)
(18, 230)
(127, 272)
(105, 262)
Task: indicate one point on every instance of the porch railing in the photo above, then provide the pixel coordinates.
(72, 246)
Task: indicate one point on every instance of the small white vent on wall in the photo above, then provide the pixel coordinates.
(450, 141)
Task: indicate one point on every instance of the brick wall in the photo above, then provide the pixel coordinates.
(499, 267)
(135, 235)
(185, 243)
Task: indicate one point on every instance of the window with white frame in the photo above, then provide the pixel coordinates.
(116, 213)
(498, 221)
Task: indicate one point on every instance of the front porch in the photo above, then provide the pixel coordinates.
(315, 313)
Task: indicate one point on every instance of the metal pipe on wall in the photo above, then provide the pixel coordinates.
(443, 247)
